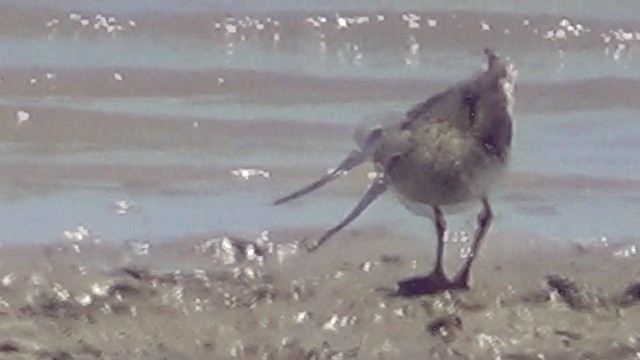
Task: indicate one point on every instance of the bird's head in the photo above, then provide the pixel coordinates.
(476, 103)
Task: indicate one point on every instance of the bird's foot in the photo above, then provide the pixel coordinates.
(461, 280)
(431, 284)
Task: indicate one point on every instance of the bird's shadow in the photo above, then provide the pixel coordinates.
(426, 285)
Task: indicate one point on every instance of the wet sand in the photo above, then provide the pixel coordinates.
(203, 87)
(225, 297)
(61, 148)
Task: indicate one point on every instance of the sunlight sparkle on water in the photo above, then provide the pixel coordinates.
(123, 206)
(78, 235)
(246, 173)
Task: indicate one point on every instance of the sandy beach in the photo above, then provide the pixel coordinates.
(224, 297)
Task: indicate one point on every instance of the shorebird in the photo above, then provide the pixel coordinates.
(445, 151)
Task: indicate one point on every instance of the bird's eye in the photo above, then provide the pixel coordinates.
(471, 100)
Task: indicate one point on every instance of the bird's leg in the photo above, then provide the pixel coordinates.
(441, 226)
(377, 188)
(461, 280)
(436, 281)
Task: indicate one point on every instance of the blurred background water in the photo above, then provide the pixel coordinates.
(146, 121)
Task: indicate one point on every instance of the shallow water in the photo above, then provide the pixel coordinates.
(163, 108)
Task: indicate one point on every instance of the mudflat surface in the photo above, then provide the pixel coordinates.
(225, 297)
